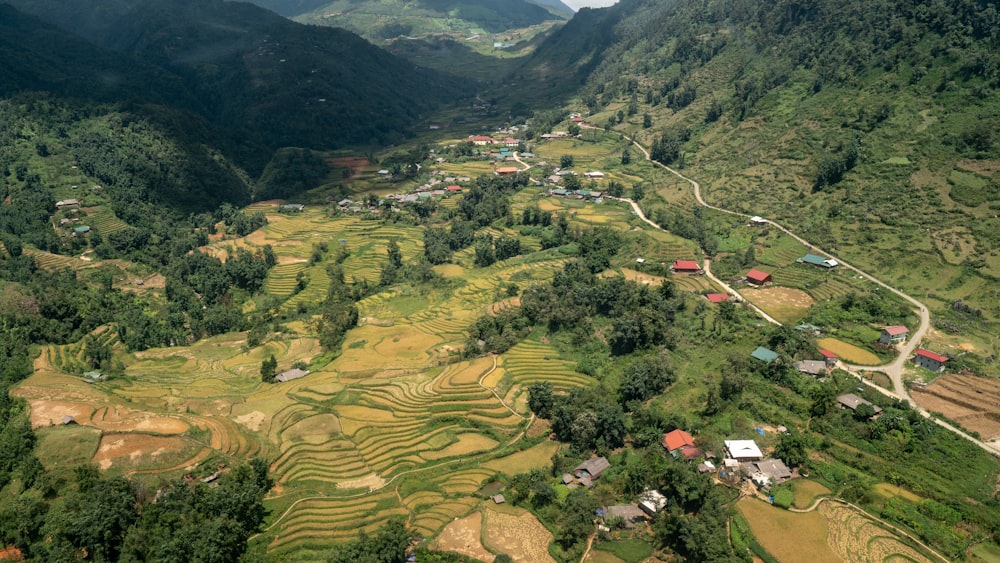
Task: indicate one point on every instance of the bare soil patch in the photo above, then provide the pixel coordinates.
(354, 163)
(521, 536)
(783, 303)
(462, 536)
(119, 448)
(371, 482)
(639, 277)
(252, 421)
(51, 413)
(973, 402)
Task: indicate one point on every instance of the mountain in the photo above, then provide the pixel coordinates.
(253, 70)
(869, 128)
(378, 20)
(557, 5)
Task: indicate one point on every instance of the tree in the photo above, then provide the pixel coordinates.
(566, 161)
(507, 247)
(638, 192)
(541, 399)
(268, 368)
(615, 189)
(626, 157)
(574, 129)
(484, 251)
(647, 121)
(792, 448)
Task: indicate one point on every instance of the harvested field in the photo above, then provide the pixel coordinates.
(785, 304)
(518, 534)
(771, 527)
(856, 537)
(370, 482)
(973, 402)
(639, 277)
(849, 352)
(466, 444)
(888, 490)
(137, 449)
(462, 536)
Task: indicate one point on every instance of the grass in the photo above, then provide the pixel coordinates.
(806, 491)
(630, 551)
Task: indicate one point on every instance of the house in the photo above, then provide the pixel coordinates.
(595, 175)
(507, 170)
(454, 188)
(757, 221)
(769, 472)
(676, 440)
(706, 467)
(652, 502)
(764, 355)
(68, 203)
(592, 468)
(630, 513)
(852, 401)
(829, 357)
(930, 360)
(577, 119)
(95, 376)
(511, 142)
(291, 374)
(383, 172)
(344, 203)
(717, 297)
(894, 334)
(481, 140)
(294, 207)
(498, 499)
(758, 277)
(815, 260)
(685, 267)
(815, 368)
(567, 478)
(743, 450)
(807, 327)
(559, 192)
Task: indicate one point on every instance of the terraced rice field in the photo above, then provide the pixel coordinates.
(395, 407)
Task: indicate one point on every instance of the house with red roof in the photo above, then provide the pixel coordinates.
(758, 277)
(685, 267)
(480, 140)
(930, 360)
(511, 142)
(455, 188)
(717, 297)
(894, 334)
(829, 357)
(679, 443)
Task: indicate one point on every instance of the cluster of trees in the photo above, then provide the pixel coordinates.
(115, 519)
(666, 148)
(833, 167)
(291, 171)
(587, 418)
(489, 250)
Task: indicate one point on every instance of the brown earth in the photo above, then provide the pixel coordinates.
(519, 535)
(462, 536)
(973, 402)
(354, 163)
(130, 447)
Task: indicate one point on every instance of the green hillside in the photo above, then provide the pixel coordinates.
(285, 83)
(868, 128)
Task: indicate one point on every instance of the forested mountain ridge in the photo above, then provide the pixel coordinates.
(282, 82)
(867, 128)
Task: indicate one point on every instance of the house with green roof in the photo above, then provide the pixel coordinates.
(818, 261)
(764, 355)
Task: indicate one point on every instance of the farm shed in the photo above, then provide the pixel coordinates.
(852, 401)
(717, 297)
(820, 261)
(814, 368)
(291, 374)
(630, 513)
(758, 277)
(507, 170)
(652, 501)
(764, 355)
(592, 468)
(829, 357)
(498, 499)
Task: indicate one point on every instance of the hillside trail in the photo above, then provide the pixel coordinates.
(893, 369)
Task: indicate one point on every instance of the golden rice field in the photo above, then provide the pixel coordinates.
(393, 426)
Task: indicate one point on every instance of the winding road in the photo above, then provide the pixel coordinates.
(894, 369)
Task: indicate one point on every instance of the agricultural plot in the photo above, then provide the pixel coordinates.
(395, 407)
(519, 534)
(785, 304)
(849, 352)
(973, 402)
